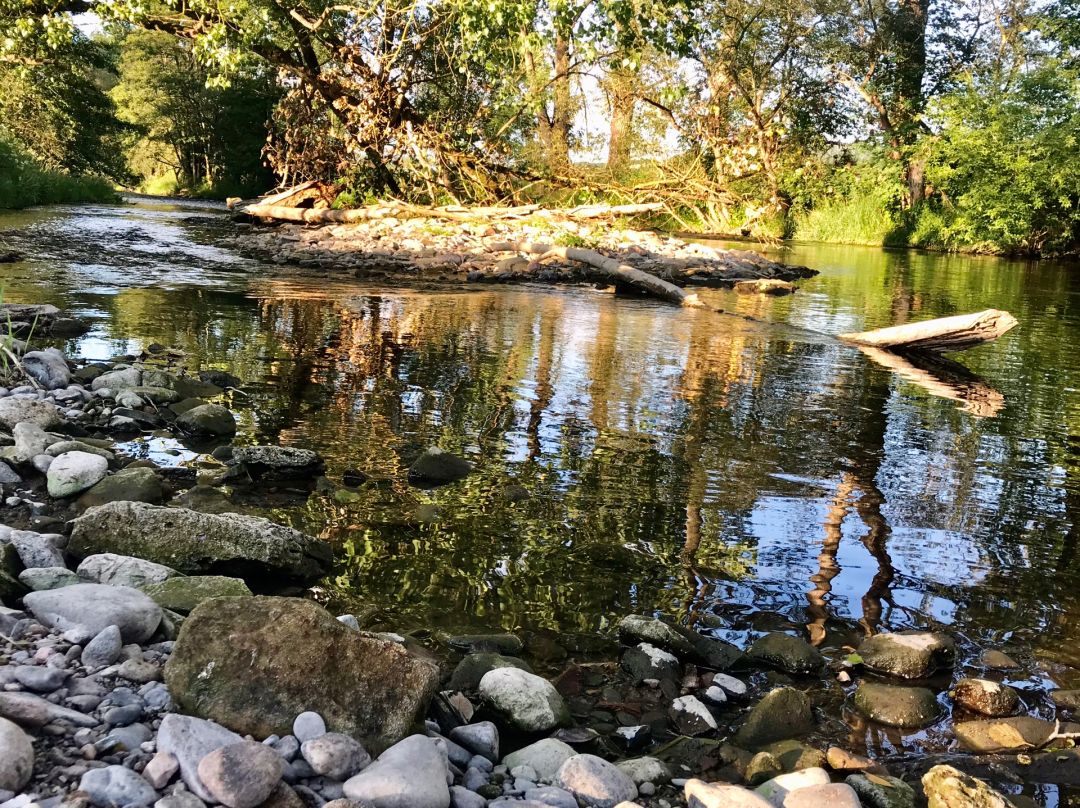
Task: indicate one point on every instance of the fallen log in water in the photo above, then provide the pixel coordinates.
(404, 210)
(942, 335)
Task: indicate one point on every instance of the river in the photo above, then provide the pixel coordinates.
(736, 475)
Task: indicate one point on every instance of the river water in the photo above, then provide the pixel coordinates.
(739, 476)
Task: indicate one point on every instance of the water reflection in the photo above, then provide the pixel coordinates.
(708, 467)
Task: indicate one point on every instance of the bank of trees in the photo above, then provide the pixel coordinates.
(948, 123)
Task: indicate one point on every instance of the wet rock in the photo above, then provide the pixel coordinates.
(438, 467)
(897, 706)
(633, 738)
(794, 755)
(645, 770)
(595, 782)
(48, 367)
(246, 662)
(778, 788)
(1005, 734)
(205, 499)
(65, 446)
(721, 795)
(130, 485)
(471, 669)
(907, 654)
(121, 379)
(882, 791)
(762, 767)
(481, 738)
(1066, 699)
(782, 713)
(94, 607)
(103, 649)
(334, 755)
(645, 661)
(827, 795)
(41, 578)
(786, 653)
(690, 717)
(183, 593)
(986, 697)
(194, 542)
(946, 787)
(730, 685)
(16, 756)
(844, 761)
(121, 570)
(17, 410)
(208, 419)
(116, 787)
(997, 660)
(528, 702)
(219, 378)
(638, 628)
(73, 472)
(189, 740)
(509, 644)
(278, 462)
(545, 757)
(241, 775)
(410, 774)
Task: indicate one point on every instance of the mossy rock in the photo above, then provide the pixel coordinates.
(183, 593)
(782, 713)
(897, 706)
(126, 485)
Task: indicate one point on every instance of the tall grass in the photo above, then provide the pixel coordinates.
(24, 183)
(858, 220)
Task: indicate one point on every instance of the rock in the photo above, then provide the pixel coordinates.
(777, 789)
(486, 643)
(94, 607)
(786, 653)
(308, 725)
(334, 755)
(896, 706)
(639, 628)
(8, 476)
(946, 787)
(130, 485)
(33, 711)
(410, 774)
(721, 795)
(762, 767)
(436, 467)
(30, 441)
(690, 717)
(595, 782)
(984, 696)
(138, 670)
(194, 542)
(73, 472)
(17, 410)
(528, 702)
(645, 661)
(908, 654)
(550, 795)
(220, 378)
(121, 570)
(997, 660)
(208, 419)
(16, 757)
(842, 760)
(241, 775)
(161, 769)
(545, 757)
(37, 549)
(765, 286)
(247, 662)
(182, 594)
(41, 578)
(189, 740)
(278, 462)
(471, 669)
(481, 738)
(40, 678)
(1005, 734)
(645, 770)
(730, 685)
(121, 379)
(1066, 699)
(794, 756)
(116, 787)
(878, 791)
(782, 713)
(828, 795)
(65, 446)
(181, 799)
(48, 367)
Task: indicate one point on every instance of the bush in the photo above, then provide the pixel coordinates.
(24, 183)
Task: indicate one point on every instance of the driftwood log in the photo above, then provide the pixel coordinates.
(942, 335)
(404, 210)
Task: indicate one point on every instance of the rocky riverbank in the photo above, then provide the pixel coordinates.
(138, 667)
(436, 250)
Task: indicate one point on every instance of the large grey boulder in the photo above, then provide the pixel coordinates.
(208, 419)
(114, 380)
(94, 607)
(896, 705)
(545, 757)
(908, 654)
(48, 367)
(73, 472)
(194, 542)
(126, 485)
(276, 462)
(255, 663)
(783, 712)
(38, 549)
(121, 570)
(18, 410)
(410, 774)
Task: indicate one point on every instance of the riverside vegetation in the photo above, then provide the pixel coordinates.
(141, 669)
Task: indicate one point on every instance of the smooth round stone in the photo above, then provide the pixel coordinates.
(897, 706)
(778, 788)
(74, 472)
(40, 678)
(789, 654)
(412, 773)
(461, 797)
(39, 578)
(481, 738)
(986, 697)
(529, 702)
(545, 757)
(908, 654)
(645, 770)
(334, 755)
(828, 795)
(116, 787)
(553, 796)
(308, 726)
(241, 775)
(104, 649)
(16, 756)
(595, 782)
(700, 794)
(93, 607)
(730, 685)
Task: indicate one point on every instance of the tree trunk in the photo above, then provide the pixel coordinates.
(558, 152)
(622, 99)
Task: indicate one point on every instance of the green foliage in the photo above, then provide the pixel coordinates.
(24, 182)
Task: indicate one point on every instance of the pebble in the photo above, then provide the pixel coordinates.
(116, 787)
(481, 738)
(161, 769)
(308, 726)
(40, 678)
(464, 798)
(552, 795)
(241, 775)
(335, 756)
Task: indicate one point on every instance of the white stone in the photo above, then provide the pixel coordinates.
(595, 782)
(94, 607)
(730, 685)
(121, 570)
(645, 770)
(74, 472)
(777, 789)
(700, 794)
(545, 757)
(529, 702)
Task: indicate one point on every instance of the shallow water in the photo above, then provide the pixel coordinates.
(677, 461)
